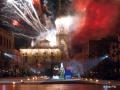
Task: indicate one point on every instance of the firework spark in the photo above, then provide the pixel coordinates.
(24, 17)
(26, 11)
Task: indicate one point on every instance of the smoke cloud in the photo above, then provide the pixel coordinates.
(96, 19)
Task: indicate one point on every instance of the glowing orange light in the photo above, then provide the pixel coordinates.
(15, 22)
(37, 4)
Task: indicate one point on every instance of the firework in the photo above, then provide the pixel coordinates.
(100, 19)
(26, 11)
(24, 17)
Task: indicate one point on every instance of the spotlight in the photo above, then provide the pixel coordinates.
(106, 56)
(8, 55)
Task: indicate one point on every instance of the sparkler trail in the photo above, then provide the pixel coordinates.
(21, 34)
(22, 17)
(26, 11)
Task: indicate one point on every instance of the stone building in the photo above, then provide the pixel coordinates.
(114, 50)
(6, 46)
(6, 40)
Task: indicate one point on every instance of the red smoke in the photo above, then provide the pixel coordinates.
(100, 19)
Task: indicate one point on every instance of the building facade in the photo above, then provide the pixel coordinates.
(6, 40)
(6, 47)
(99, 48)
(114, 50)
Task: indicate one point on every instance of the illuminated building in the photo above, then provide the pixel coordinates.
(44, 51)
(44, 45)
(63, 23)
(114, 50)
(95, 49)
(62, 42)
(6, 44)
(6, 40)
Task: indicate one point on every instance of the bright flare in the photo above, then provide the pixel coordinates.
(51, 37)
(10, 1)
(32, 43)
(64, 23)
